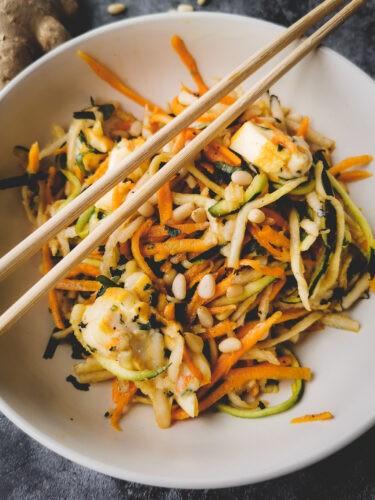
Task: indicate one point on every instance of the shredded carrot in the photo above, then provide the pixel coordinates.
(137, 252)
(223, 309)
(83, 268)
(33, 159)
(176, 106)
(277, 272)
(78, 285)
(121, 399)
(351, 161)
(303, 127)
(191, 365)
(291, 314)
(276, 287)
(114, 81)
(221, 329)
(254, 333)
(99, 172)
(354, 175)
(372, 285)
(156, 232)
(190, 63)
(173, 247)
(326, 415)
(197, 278)
(119, 192)
(238, 377)
(165, 203)
(78, 173)
(217, 152)
(275, 242)
(53, 301)
(169, 311)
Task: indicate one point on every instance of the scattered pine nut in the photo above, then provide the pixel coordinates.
(116, 8)
(185, 7)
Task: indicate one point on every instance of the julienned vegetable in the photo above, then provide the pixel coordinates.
(190, 302)
(297, 390)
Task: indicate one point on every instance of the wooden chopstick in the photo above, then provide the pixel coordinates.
(32, 243)
(111, 222)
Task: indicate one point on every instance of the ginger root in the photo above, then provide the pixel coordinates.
(29, 27)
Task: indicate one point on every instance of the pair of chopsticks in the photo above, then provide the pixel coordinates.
(30, 245)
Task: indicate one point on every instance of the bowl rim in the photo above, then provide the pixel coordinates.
(114, 471)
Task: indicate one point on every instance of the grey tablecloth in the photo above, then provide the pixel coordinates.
(29, 471)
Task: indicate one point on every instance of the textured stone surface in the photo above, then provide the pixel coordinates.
(29, 471)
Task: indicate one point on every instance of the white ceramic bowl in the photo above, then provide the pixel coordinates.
(216, 450)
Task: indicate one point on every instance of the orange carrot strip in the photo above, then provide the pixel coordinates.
(240, 376)
(78, 285)
(197, 278)
(33, 159)
(176, 106)
(268, 237)
(121, 399)
(277, 272)
(190, 63)
(303, 127)
(83, 268)
(372, 285)
(173, 247)
(119, 193)
(157, 232)
(169, 311)
(114, 81)
(165, 203)
(53, 301)
(195, 270)
(326, 415)
(354, 175)
(351, 161)
(276, 287)
(99, 172)
(255, 333)
(137, 252)
(191, 365)
(223, 309)
(217, 152)
(221, 329)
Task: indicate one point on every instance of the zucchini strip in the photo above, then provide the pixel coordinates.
(355, 212)
(206, 181)
(122, 373)
(296, 260)
(297, 390)
(239, 230)
(295, 330)
(357, 291)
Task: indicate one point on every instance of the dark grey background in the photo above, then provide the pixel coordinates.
(29, 471)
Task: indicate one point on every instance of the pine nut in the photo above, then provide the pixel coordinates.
(234, 291)
(205, 317)
(230, 345)
(310, 227)
(185, 7)
(194, 342)
(228, 230)
(146, 209)
(183, 212)
(191, 182)
(135, 128)
(169, 276)
(201, 2)
(241, 178)
(186, 98)
(179, 286)
(187, 264)
(206, 287)
(256, 216)
(199, 215)
(115, 8)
